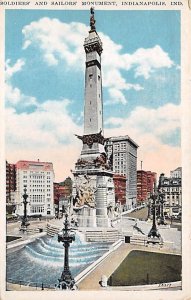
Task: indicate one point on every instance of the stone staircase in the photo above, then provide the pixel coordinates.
(35, 230)
(138, 240)
(52, 229)
(106, 235)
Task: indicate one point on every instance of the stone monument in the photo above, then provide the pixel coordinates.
(93, 189)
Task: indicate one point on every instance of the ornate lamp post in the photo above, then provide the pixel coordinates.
(57, 205)
(25, 221)
(66, 282)
(161, 201)
(154, 236)
(149, 208)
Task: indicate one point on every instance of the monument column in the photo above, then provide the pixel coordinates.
(92, 138)
(93, 189)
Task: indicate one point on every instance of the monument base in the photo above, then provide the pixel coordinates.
(154, 240)
(85, 216)
(94, 197)
(103, 222)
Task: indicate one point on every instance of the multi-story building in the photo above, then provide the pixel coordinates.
(10, 183)
(38, 178)
(151, 182)
(120, 189)
(172, 189)
(122, 151)
(61, 192)
(146, 182)
(177, 173)
(141, 186)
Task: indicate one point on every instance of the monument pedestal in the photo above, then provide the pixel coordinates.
(93, 193)
(102, 219)
(86, 216)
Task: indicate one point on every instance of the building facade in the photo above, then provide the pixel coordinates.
(38, 177)
(120, 189)
(151, 182)
(10, 183)
(146, 182)
(61, 193)
(172, 189)
(177, 173)
(141, 186)
(122, 153)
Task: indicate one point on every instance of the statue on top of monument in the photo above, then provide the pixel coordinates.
(92, 20)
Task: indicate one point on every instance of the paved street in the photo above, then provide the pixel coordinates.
(13, 228)
(139, 214)
(108, 266)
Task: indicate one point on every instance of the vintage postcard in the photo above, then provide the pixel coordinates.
(95, 176)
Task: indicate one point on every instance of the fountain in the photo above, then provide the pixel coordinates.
(42, 260)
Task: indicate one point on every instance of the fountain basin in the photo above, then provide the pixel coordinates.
(42, 260)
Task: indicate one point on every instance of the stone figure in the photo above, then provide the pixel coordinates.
(85, 194)
(92, 20)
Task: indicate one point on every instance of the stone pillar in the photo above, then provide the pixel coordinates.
(102, 219)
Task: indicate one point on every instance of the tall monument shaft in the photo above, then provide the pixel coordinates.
(92, 138)
(93, 106)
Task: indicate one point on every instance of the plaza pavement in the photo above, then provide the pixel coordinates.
(106, 267)
(110, 264)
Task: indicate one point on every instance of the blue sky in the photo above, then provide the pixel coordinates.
(45, 83)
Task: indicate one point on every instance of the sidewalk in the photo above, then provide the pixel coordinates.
(110, 264)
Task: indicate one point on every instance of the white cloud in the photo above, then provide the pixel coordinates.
(147, 127)
(60, 41)
(11, 70)
(57, 40)
(47, 134)
(146, 61)
(13, 95)
(47, 125)
(159, 122)
(117, 96)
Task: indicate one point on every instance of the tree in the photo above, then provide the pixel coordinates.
(67, 182)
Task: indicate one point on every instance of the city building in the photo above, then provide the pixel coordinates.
(120, 189)
(38, 177)
(151, 182)
(172, 189)
(141, 186)
(146, 182)
(10, 183)
(177, 173)
(122, 153)
(61, 192)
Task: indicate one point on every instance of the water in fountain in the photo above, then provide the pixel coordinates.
(43, 260)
